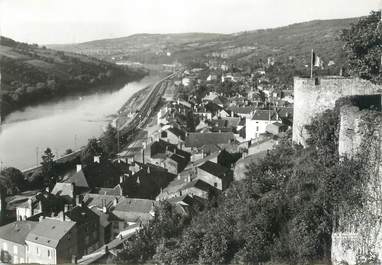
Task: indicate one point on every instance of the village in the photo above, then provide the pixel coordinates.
(200, 139)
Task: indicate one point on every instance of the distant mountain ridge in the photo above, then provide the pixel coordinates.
(32, 74)
(295, 40)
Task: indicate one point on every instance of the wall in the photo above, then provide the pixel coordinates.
(359, 232)
(210, 179)
(253, 128)
(8, 254)
(314, 96)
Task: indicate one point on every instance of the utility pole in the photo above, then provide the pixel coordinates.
(37, 156)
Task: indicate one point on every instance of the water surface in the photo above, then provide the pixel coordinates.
(60, 125)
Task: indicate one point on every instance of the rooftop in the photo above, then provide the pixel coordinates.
(49, 232)
(17, 231)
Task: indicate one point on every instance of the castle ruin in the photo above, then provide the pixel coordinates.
(357, 236)
(313, 96)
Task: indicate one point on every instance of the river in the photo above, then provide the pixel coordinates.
(60, 125)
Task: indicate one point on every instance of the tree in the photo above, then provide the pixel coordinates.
(49, 168)
(363, 47)
(92, 149)
(15, 178)
(109, 140)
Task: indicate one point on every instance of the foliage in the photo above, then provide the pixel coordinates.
(92, 149)
(284, 210)
(109, 140)
(32, 74)
(167, 223)
(14, 180)
(363, 46)
(49, 173)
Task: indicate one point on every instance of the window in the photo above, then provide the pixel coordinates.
(14, 249)
(49, 256)
(37, 251)
(27, 248)
(215, 184)
(257, 128)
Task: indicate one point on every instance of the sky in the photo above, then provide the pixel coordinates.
(73, 21)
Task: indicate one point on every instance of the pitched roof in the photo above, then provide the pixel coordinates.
(199, 184)
(177, 132)
(99, 200)
(200, 139)
(78, 179)
(134, 209)
(81, 214)
(214, 169)
(16, 231)
(243, 110)
(63, 189)
(265, 115)
(117, 190)
(49, 232)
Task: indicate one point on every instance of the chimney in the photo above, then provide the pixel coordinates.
(96, 159)
(78, 200)
(115, 202)
(121, 179)
(42, 217)
(188, 178)
(61, 216)
(78, 167)
(66, 208)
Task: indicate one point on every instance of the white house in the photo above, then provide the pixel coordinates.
(258, 123)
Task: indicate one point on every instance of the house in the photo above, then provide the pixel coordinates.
(130, 211)
(212, 77)
(174, 135)
(176, 163)
(147, 182)
(52, 241)
(197, 187)
(87, 228)
(276, 128)
(210, 96)
(197, 140)
(117, 190)
(258, 123)
(162, 115)
(243, 112)
(65, 190)
(186, 81)
(215, 175)
(105, 225)
(12, 241)
(29, 208)
(79, 180)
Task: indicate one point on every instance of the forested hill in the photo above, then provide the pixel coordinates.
(32, 74)
(295, 40)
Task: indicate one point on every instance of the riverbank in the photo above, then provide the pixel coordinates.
(62, 125)
(79, 91)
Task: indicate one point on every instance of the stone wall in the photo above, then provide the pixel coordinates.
(358, 234)
(314, 96)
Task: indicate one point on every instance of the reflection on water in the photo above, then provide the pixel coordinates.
(68, 123)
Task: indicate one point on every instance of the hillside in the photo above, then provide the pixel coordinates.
(32, 74)
(295, 40)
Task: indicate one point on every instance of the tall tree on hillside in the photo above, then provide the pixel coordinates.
(48, 168)
(363, 47)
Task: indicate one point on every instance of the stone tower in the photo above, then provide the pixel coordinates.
(313, 96)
